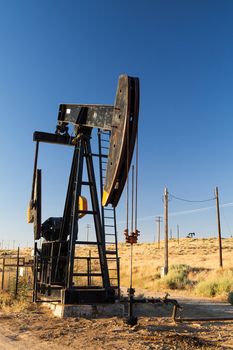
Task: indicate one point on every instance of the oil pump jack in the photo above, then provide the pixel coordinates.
(56, 273)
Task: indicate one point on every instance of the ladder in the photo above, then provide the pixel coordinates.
(108, 215)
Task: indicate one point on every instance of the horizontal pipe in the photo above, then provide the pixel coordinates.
(203, 319)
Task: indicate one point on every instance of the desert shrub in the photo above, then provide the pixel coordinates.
(24, 286)
(177, 277)
(217, 283)
(206, 288)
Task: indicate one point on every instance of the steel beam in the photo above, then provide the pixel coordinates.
(94, 116)
(47, 137)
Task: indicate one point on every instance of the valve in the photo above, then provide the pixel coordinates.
(132, 237)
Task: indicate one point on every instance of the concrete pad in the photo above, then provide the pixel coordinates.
(93, 311)
(118, 309)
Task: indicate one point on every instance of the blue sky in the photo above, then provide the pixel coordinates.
(73, 52)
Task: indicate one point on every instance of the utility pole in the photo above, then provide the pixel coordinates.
(170, 233)
(88, 228)
(178, 234)
(165, 231)
(158, 220)
(219, 227)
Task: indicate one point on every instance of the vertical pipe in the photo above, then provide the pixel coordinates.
(165, 231)
(132, 208)
(131, 265)
(118, 277)
(89, 269)
(219, 227)
(136, 186)
(132, 220)
(127, 174)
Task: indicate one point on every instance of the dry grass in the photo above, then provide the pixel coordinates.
(216, 283)
(11, 303)
(193, 267)
(201, 255)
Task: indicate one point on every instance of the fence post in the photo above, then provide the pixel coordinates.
(17, 275)
(3, 272)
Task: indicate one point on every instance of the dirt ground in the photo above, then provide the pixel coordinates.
(36, 329)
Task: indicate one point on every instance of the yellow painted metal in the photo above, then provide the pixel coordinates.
(82, 203)
(105, 197)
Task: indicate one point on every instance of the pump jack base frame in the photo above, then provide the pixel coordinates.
(75, 296)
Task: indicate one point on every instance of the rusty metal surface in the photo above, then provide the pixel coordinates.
(95, 116)
(40, 136)
(124, 122)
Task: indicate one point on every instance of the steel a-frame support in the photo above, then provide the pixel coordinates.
(71, 213)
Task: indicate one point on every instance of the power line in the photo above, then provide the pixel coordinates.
(183, 212)
(191, 201)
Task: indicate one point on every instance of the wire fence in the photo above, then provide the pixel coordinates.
(12, 244)
(16, 272)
